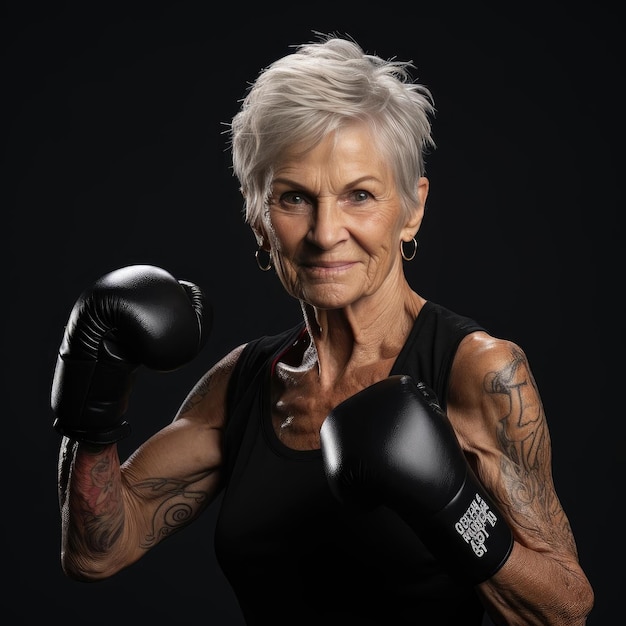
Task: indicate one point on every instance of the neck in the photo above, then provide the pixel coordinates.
(362, 336)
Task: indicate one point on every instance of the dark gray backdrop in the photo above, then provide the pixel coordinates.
(114, 154)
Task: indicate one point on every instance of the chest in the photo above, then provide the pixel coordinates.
(299, 403)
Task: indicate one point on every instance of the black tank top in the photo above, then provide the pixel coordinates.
(291, 553)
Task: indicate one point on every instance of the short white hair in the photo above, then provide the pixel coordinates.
(305, 95)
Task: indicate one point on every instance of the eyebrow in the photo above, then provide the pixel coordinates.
(354, 183)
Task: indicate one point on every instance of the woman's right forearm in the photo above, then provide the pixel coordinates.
(92, 511)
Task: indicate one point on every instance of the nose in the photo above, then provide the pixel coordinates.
(327, 224)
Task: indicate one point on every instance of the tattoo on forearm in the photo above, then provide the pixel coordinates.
(100, 505)
(101, 510)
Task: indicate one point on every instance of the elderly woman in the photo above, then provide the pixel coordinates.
(387, 461)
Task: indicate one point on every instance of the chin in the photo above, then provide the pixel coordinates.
(328, 302)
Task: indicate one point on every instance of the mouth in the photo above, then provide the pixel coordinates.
(325, 270)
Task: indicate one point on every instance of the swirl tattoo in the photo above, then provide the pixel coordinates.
(179, 506)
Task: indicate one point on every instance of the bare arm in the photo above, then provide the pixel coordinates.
(496, 409)
(113, 513)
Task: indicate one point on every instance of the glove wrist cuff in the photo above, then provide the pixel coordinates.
(470, 534)
(100, 437)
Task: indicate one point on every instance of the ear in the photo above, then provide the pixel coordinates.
(261, 238)
(416, 215)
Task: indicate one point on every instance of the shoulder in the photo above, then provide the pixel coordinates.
(482, 360)
(207, 399)
(491, 385)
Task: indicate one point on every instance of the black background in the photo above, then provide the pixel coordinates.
(114, 153)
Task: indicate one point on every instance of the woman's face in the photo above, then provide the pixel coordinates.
(335, 221)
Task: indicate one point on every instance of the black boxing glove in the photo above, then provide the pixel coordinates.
(136, 315)
(392, 444)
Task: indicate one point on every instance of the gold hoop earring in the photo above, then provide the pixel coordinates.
(405, 256)
(268, 265)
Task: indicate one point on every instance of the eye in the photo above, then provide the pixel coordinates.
(293, 198)
(360, 195)
(293, 201)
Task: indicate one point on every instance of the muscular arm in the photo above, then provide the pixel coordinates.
(112, 512)
(496, 410)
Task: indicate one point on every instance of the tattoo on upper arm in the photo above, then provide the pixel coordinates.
(525, 442)
(179, 506)
(522, 428)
